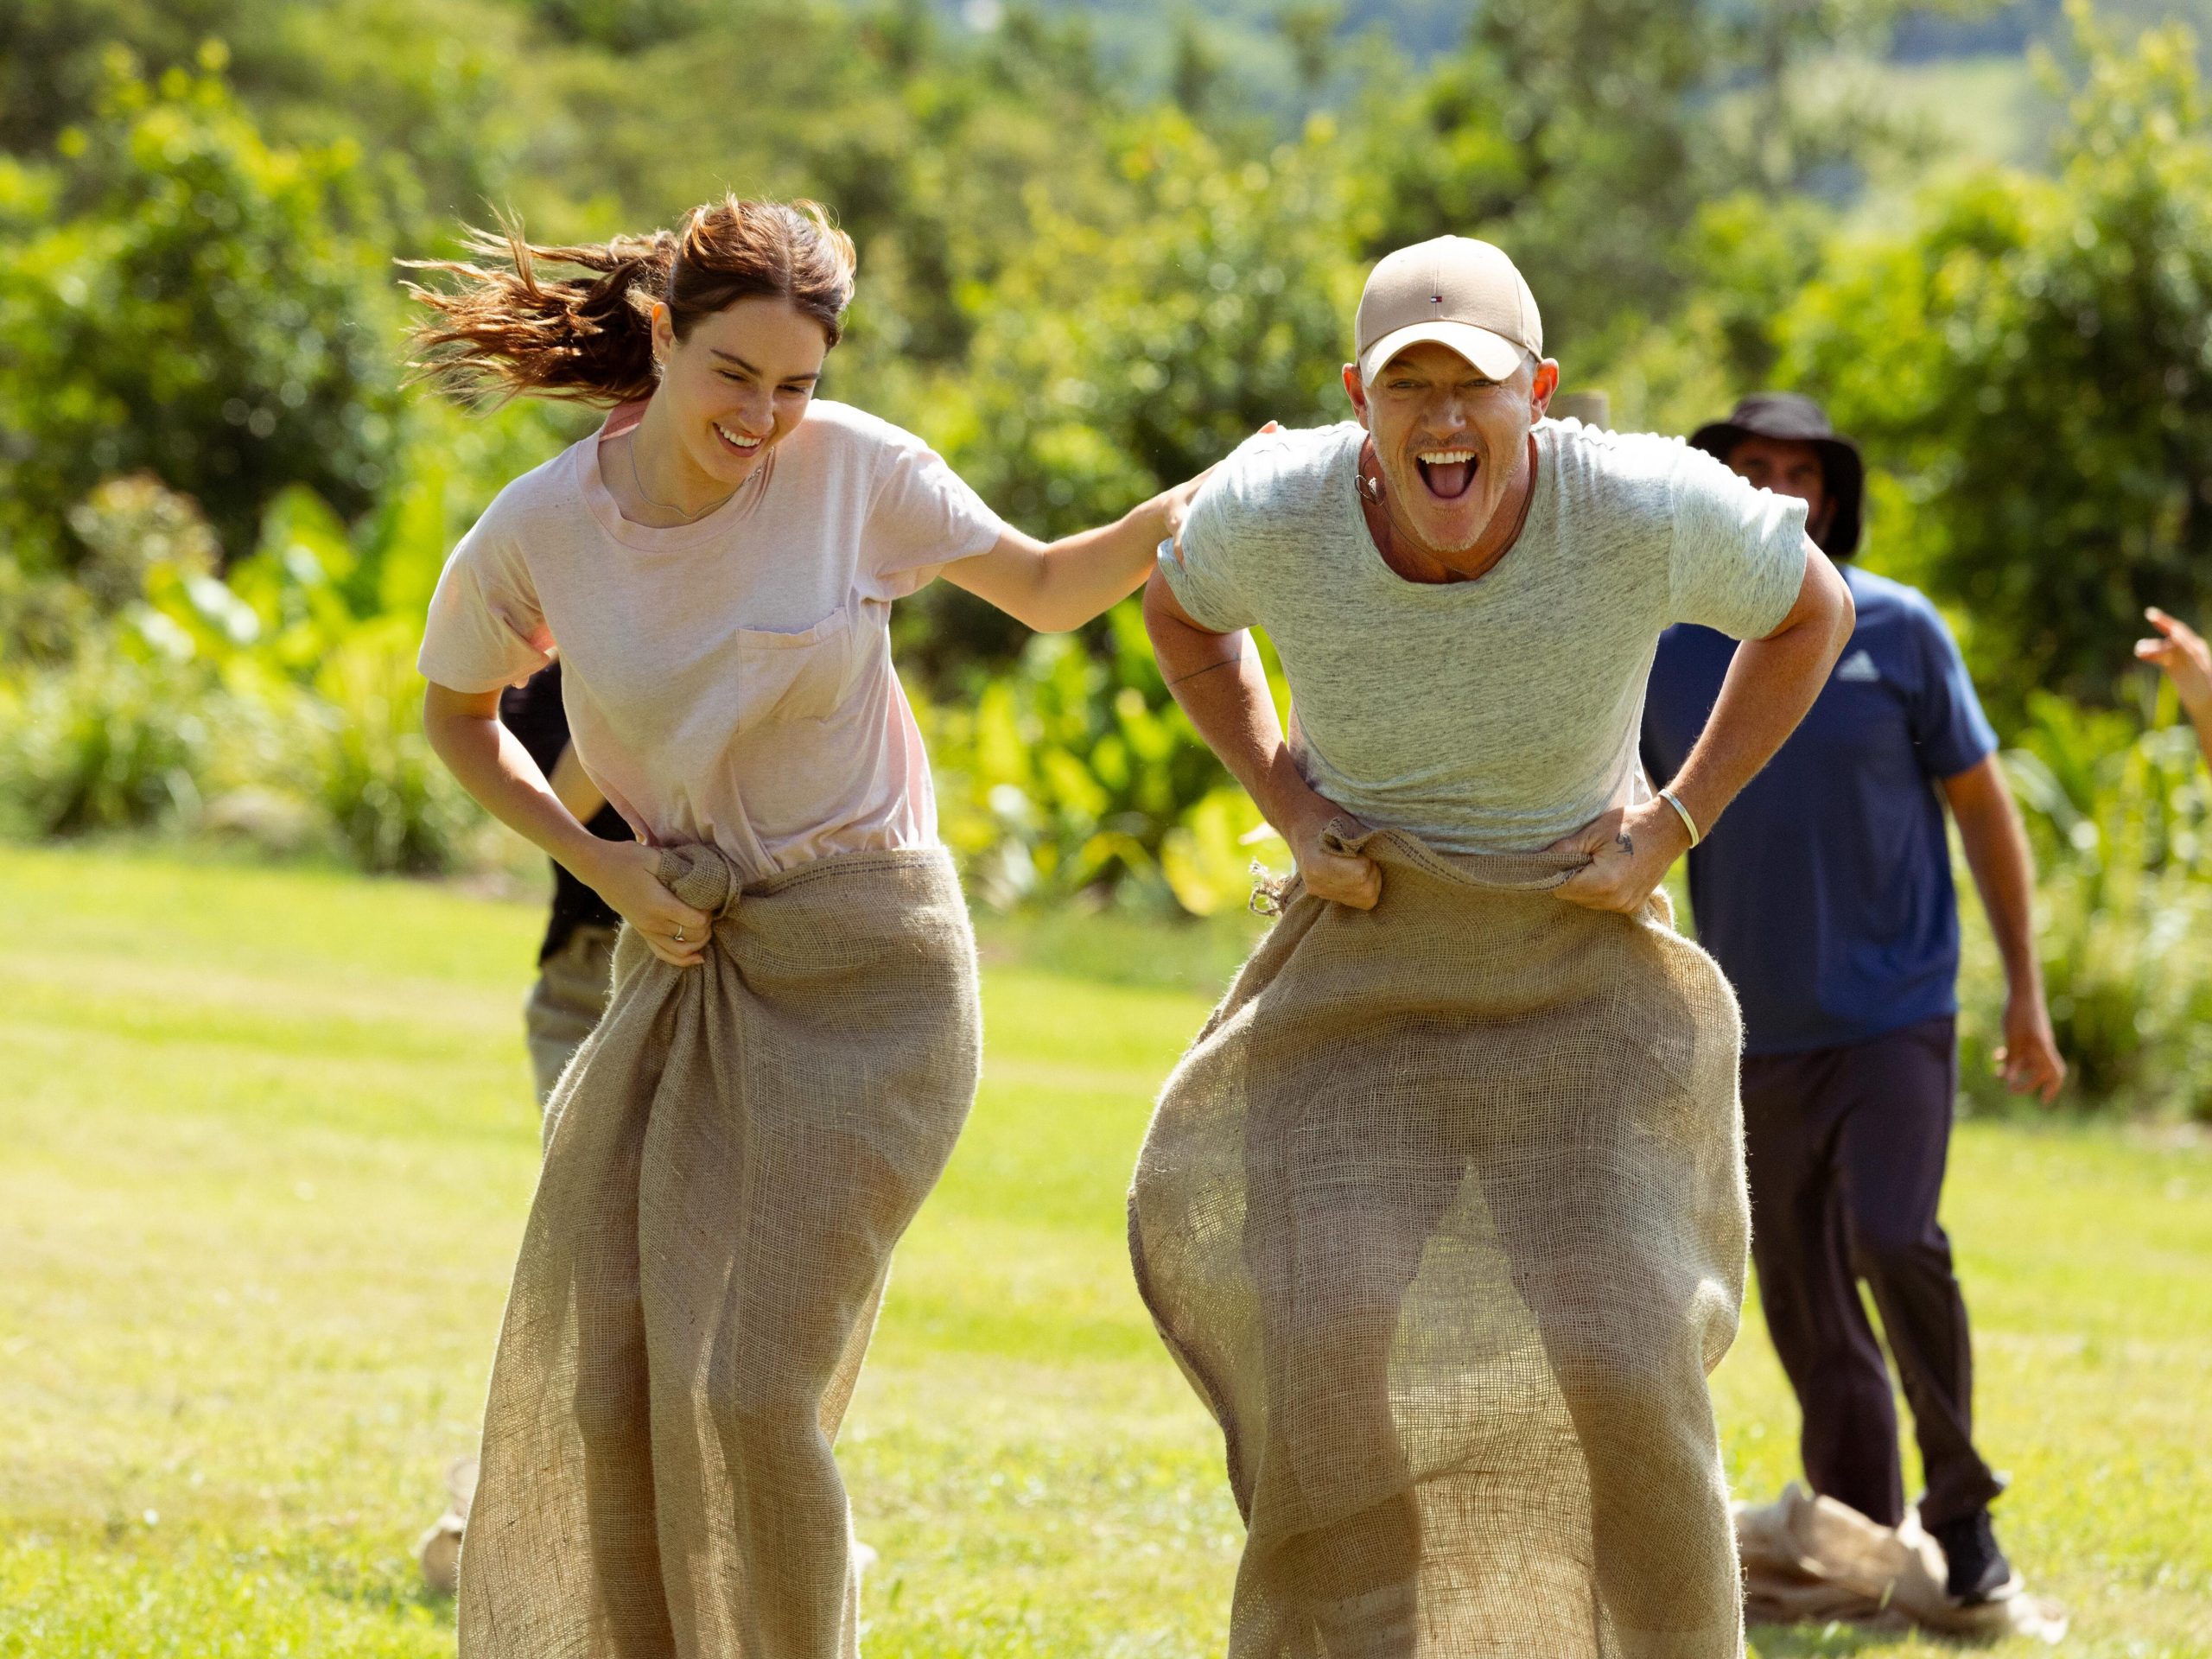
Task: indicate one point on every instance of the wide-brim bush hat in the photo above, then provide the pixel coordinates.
(1796, 419)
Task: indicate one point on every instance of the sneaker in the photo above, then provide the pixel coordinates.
(1977, 1570)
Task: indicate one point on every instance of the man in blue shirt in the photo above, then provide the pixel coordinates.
(1826, 894)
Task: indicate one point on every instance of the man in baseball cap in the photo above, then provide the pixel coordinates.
(1828, 899)
(1466, 596)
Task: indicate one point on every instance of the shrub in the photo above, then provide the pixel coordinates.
(266, 699)
(2121, 821)
(1074, 770)
(396, 807)
(2034, 365)
(107, 742)
(187, 300)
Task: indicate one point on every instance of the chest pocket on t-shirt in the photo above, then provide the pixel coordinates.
(784, 677)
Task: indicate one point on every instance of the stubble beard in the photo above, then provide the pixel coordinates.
(1403, 521)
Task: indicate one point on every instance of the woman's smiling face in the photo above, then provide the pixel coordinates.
(739, 383)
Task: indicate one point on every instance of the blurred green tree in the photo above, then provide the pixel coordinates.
(182, 299)
(1118, 356)
(1588, 136)
(435, 91)
(1310, 28)
(2034, 365)
(1562, 132)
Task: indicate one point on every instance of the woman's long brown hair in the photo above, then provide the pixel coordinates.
(502, 330)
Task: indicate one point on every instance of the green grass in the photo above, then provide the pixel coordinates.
(267, 1148)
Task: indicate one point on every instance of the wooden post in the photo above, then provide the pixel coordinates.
(1591, 408)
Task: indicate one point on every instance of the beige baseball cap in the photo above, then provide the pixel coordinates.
(1452, 289)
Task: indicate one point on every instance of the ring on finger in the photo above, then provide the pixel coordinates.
(679, 934)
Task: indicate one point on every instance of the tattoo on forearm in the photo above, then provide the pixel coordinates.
(1625, 842)
(1181, 679)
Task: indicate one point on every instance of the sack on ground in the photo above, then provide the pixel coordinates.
(1810, 1559)
(1442, 1214)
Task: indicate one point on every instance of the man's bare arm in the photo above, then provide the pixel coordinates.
(2004, 873)
(1218, 680)
(1770, 683)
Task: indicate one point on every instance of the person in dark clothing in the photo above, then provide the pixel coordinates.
(1826, 896)
(576, 961)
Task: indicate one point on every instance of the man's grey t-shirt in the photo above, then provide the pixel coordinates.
(1497, 715)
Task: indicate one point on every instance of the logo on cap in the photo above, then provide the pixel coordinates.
(1487, 316)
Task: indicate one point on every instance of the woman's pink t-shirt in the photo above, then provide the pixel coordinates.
(728, 681)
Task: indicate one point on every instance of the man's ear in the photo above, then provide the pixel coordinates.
(1357, 391)
(1542, 387)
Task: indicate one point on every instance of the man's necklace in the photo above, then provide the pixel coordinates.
(638, 482)
(1371, 489)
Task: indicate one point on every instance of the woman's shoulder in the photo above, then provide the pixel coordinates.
(547, 492)
(834, 428)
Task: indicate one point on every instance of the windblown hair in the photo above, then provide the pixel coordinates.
(501, 330)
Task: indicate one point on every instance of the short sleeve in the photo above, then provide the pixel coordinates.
(485, 629)
(1204, 578)
(1948, 726)
(1738, 557)
(922, 516)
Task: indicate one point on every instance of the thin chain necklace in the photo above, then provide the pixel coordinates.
(638, 482)
(1371, 489)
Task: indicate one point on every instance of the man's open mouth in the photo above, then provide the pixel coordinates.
(1448, 473)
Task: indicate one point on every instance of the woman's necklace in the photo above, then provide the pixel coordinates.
(638, 482)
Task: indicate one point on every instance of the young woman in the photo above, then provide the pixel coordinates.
(792, 1039)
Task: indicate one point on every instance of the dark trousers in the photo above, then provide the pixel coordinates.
(1845, 1148)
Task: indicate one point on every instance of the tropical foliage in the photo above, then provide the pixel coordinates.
(2034, 363)
(222, 510)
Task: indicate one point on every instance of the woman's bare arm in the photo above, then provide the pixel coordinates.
(575, 787)
(464, 731)
(1054, 586)
(2182, 655)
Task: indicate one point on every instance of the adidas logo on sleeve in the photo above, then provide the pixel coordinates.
(1858, 667)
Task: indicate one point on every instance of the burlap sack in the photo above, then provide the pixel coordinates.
(734, 1153)
(1810, 1559)
(1443, 1214)
(565, 1002)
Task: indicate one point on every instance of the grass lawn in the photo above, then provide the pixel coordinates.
(268, 1145)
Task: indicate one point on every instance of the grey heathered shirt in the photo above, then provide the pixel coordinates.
(1497, 715)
